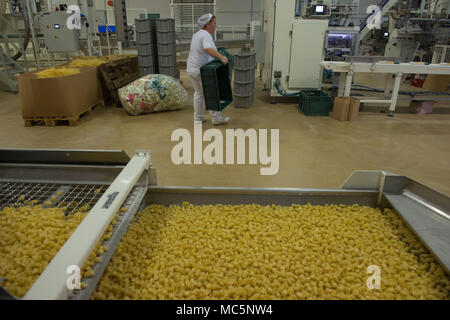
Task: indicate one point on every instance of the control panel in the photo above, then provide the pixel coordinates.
(57, 36)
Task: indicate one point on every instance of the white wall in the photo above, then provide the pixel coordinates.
(237, 12)
(157, 6)
(153, 6)
(229, 12)
(135, 7)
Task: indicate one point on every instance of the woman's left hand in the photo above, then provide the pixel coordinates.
(224, 60)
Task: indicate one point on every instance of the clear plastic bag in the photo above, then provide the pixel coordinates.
(152, 93)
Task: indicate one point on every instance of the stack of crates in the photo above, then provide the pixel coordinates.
(167, 53)
(244, 79)
(146, 46)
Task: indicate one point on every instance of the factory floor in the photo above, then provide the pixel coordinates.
(315, 152)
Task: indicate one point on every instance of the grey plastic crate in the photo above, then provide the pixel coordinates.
(165, 25)
(146, 61)
(244, 101)
(145, 49)
(245, 60)
(167, 60)
(244, 75)
(243, 88)
(143, 71)
(143, 37)
(142, 25)
(165, 37)
(167, 48)
(170, 71)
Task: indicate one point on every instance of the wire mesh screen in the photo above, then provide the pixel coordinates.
(16, 194)
(441, 54)
(186, 15)
(76, 197)
(81, 197)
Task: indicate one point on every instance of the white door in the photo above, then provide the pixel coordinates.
(307, 53)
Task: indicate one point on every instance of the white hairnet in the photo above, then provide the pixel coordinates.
(204, 19)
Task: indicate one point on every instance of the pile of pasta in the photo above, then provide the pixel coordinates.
(57, 72)
(88, 62)
(271, 252)
(30, 236)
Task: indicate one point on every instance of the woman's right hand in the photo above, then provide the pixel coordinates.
(223, 59)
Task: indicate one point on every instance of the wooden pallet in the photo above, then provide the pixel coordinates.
(59, 120)
(116, 74)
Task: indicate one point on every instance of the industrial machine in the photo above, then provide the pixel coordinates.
(294, 47)
(340, 42)
(409, 29)
(73, 175)
(41, 26)
(58, 36)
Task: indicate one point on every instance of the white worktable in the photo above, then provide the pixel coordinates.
(348, 69)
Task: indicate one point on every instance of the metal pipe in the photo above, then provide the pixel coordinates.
(348, 83)
(388, 85)
(107, 39)
(398, 78)
(375, 101)
(33, 35)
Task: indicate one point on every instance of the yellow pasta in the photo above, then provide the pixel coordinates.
(30, 237)
(87, 62)
(57, 72)
(270, 252)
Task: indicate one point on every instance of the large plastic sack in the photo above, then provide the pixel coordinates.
(152, 93)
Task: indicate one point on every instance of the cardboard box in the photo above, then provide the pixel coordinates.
(436, 82)
(65, 97)
(353, 110)
(340, 108)
(345, 108)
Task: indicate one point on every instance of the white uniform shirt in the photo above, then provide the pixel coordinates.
(201, 40)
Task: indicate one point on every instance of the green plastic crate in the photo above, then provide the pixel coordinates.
(314, 103)
(230, 58)
(216, 81)
(149, 16)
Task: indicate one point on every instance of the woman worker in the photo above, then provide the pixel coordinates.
(203, 50)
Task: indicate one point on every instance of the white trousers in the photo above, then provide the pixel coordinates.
(199, 100)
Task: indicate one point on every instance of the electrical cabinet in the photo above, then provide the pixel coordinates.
(293, 48)
(57, 36)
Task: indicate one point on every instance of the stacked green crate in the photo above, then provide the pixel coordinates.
(216, 81)
(314, 103)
